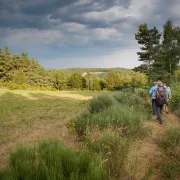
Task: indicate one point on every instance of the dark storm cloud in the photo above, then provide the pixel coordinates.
(83, 22)
(34, 13)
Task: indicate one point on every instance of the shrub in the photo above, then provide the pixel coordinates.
(176, 97)
(117, 115)
(128, 98)
(13, 86)
(53, 160)
(169, 142)
(100, 103)
(113, 147)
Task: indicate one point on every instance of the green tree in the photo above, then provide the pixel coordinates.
(112, 80)
(59, 80)
(96, 85)
(19, 77)
(167, 57)
(148, 38)
(76, 81)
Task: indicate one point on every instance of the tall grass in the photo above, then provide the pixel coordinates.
(100, 103)
(125, 111)
(169, 142)
(109, 128)
(113, 148)
(53, 160)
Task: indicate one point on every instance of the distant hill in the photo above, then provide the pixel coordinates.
(97, 71)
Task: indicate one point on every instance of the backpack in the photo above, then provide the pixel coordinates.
(161, 96)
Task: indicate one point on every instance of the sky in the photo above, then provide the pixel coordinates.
(81, 33)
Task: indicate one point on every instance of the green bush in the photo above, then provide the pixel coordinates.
(115, 150)
(143, 93)
(53, 160)
(176, 97)
(128, 98)
(117, 115)
(13, 86)
(169, 142)
(100, 103)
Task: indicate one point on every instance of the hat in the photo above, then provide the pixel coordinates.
(155, 82)
(160, 84)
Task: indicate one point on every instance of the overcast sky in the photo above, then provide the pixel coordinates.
(81, 33)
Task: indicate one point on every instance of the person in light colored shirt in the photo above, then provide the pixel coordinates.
(152, 93)
(169, 94)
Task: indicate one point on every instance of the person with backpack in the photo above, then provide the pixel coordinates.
(152, 93)
(169, 96)
(161, 100)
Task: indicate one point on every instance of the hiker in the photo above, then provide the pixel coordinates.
(169, 94)
(152, 93)
(161, 99)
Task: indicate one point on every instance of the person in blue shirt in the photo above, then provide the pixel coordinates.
(152, 93)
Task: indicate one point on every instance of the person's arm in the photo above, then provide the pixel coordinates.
(150, 91)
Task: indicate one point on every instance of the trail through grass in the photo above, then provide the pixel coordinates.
(147, 154)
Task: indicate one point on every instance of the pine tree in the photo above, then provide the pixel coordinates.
(148, 38)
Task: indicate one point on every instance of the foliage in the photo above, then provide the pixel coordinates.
(148, 38)
(176, 97)
(24, 86)
(160, 59)
(76, 81)
(169, 142)
(96, 85)
(100, 103)
(19, 78)
(114, 148)
(53, 160)
(118, 81)
(104, 111)
(59, 80)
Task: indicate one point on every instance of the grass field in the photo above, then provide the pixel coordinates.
(27, 116)
(113, 131)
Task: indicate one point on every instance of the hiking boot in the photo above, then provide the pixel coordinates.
(167, 112)
(160, 122)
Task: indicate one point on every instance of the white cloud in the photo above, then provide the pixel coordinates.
(82, 2)
(103, 33)
(32, 37)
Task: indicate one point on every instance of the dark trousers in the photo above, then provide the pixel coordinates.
(154, 111)
(159, 111)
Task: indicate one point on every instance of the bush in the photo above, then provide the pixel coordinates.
(113, 147)
(117, 115)
(100, 103)
(169, 142)
(53, 160)
(176, 97)
(128, 98)
(13, 86)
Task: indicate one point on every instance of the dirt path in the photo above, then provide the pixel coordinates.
(145, 154)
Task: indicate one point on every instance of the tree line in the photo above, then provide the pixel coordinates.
(160, 51)
(22, 72)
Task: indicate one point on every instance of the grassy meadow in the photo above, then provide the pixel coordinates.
(26, 116)
(85, 135)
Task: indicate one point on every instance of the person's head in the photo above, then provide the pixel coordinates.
(160, 84)
(164, 84)
(155, 83)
